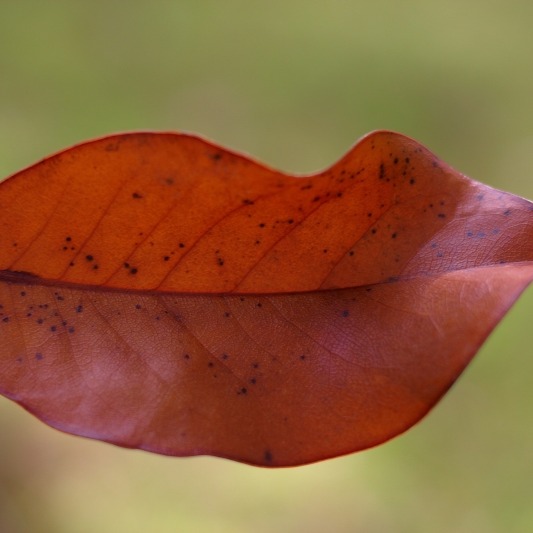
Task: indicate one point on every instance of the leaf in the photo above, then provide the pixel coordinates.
(160, 292)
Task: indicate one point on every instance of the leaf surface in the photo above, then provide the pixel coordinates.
(160, 292)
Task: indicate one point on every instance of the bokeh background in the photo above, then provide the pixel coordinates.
(294, 83)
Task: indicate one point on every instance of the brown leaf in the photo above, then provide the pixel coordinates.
(160, 292)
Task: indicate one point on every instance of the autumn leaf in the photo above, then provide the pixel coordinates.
(160, 292)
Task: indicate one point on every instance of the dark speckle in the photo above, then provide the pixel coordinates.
(394, 235)
(39, 356)
(302, 357)
(136, 195)
(346, 313)
(133, 271)
(441, 215)
(137, 306)
(53, 328)
(262, 225)
(79, 309)
(181, 245)
(268, 456)
(507, 212)
(412, 181)
(89, 257)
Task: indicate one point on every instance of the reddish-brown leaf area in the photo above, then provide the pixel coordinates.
(160, 292)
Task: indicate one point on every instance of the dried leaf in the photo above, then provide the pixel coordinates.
(160, 292)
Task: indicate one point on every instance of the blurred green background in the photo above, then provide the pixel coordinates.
(294, 83)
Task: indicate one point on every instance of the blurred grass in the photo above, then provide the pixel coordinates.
(294, 84)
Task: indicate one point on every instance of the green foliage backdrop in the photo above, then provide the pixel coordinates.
(293, 83)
